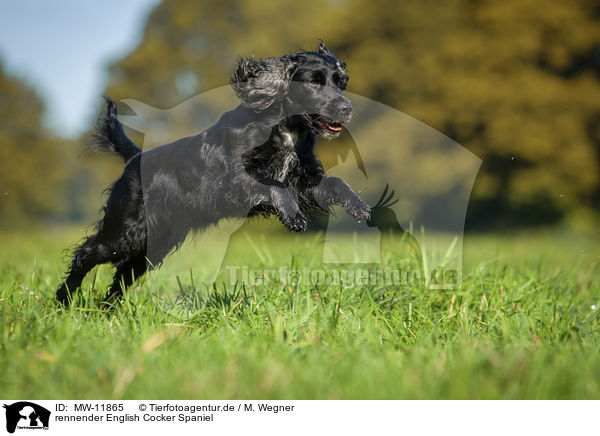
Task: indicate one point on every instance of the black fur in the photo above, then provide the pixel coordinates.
(110, 136)
(258, 158)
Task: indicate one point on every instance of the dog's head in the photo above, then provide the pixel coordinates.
(307, 84)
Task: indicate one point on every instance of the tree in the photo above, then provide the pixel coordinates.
(31, 180)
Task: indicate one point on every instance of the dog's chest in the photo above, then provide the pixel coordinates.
(288, 160)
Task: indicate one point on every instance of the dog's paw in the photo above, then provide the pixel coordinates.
(295, 224)
(359, 210)
(62, 295)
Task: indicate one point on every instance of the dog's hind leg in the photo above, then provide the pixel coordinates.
(85, 257)
(127, 272)
(136, 265)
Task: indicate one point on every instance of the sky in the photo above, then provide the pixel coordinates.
(62, 48)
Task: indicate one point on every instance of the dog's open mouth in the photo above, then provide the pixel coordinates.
(325, 126)
(334, 127)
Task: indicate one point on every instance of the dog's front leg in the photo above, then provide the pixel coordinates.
(333, 190)
(281, 199)
(288, 209)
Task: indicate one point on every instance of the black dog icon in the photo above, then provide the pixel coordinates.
(28, 411)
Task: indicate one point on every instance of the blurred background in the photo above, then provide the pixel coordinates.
(516, 82)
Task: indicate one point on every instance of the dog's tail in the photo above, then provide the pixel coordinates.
(109, 135)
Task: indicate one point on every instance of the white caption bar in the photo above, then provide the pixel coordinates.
(24, 417)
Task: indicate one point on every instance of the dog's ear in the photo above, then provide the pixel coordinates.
(259, 83)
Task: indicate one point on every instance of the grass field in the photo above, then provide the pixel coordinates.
(523, 325)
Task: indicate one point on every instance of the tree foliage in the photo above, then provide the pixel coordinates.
(516, 82)
(32, 179)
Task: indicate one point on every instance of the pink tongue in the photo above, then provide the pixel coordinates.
(334, 128)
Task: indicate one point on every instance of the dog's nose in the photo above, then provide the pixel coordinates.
(345, 109)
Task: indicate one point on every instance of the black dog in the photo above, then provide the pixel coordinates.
(257, 159)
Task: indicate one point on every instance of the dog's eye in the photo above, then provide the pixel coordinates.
(317, 79)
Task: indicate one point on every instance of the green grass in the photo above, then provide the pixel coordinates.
(521, 326)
